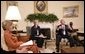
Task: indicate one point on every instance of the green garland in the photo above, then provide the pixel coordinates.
(42, 17)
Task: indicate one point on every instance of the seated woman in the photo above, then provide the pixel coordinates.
(12, 42)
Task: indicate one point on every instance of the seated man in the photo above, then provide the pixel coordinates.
(71, 28)
(63, 30)
(35, 31)
(12, 42)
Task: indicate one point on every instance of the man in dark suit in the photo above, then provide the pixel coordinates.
(35, 31)
(62, 32)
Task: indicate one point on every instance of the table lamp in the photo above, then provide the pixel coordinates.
(13, 15)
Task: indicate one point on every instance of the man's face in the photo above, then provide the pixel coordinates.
(62, 22)
(36, 22)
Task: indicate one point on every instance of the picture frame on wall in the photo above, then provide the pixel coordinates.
(72, 11)
(41, 7)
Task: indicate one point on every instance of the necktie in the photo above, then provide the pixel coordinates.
(64, 29)
(64, 32)
(37, 32)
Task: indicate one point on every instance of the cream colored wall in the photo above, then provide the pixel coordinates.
(25, 7)
(3, 13)
(55, 7)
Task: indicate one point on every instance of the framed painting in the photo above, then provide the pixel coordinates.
(72, 11)
(40, 7)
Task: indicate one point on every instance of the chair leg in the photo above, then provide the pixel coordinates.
(45, 43)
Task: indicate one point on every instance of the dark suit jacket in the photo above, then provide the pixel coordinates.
(34, 31)
(60, 31)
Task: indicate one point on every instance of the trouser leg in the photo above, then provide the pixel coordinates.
(58, 39)
(40, 42)
(72, 41)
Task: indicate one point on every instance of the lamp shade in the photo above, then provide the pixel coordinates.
(13, 13)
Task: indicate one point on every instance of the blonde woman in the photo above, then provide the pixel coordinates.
(12, 42)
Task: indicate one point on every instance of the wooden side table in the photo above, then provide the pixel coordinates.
(23, 38)
(22, 35)
(80, 37)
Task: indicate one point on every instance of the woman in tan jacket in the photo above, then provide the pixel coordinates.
(12, 42)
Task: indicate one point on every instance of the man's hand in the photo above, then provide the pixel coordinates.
(60, 27)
